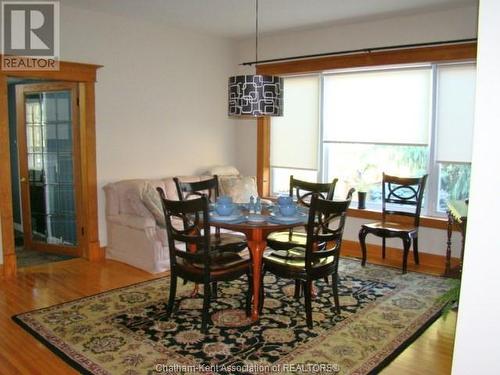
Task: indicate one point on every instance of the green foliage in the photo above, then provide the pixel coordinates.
(455, 179)
(450, 298)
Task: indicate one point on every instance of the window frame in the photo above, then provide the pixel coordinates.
(456, 53)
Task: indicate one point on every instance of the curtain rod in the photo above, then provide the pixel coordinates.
(365, 50)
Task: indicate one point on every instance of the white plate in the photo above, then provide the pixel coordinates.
(225, 218)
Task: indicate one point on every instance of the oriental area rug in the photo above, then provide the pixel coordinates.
(125, 330)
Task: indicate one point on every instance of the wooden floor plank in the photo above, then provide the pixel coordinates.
(46, 285)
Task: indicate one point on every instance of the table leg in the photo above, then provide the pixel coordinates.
(257, 248)
(192, 249)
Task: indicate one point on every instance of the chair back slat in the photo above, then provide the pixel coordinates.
(195, 232)
(404, 195)
(303, 190)
(188, 190)
(325, 229)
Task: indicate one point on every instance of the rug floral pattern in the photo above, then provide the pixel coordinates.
(125, 331)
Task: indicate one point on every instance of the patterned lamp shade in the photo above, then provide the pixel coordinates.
(255, 95)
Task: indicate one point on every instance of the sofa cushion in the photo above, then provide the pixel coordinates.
(152, 201)
(240, 188)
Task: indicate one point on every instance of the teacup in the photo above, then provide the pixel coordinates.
(225, 199)
(224, 209)
(284, 200)
(288, 210)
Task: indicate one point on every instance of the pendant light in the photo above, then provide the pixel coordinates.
(255, 95)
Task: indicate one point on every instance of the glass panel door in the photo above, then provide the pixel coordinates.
(48, 161)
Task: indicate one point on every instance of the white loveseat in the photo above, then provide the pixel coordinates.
(133, 234)
(134, 237)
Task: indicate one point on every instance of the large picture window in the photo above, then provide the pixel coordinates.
(355, 124)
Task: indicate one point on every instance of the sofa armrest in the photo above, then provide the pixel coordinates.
(133, 221)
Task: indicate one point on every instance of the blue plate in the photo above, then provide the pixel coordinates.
(255, 218)
(229, 218)
(297, 219)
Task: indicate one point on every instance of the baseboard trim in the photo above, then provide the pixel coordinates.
(395, 256)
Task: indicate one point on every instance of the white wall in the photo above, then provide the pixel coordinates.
(478, 330)
(460, 23)
(161, 96)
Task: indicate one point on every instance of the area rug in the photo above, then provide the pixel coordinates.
(125, 331)
(28, 258)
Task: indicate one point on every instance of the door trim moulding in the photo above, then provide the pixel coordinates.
(85, 76)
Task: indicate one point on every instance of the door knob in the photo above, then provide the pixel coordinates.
(23, 179)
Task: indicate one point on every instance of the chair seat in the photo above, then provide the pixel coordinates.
(390, 226)
(294, 258)
(219, 264)
(283, 240)
(228, 241)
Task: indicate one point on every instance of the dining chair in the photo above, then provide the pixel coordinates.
(208, 263)
(302, 191)
(400, 197)
(210, 187)
(325, 226)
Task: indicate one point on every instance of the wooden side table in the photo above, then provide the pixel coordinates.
(457, 214)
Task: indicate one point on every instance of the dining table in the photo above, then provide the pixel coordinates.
(256, 234)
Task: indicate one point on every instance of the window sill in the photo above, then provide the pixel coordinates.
(376, 214)
(425, 221)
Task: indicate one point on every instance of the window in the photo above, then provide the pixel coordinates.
(294, 137)
(356, 124)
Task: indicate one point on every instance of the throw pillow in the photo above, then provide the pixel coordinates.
(152, 201)
(240, 188)
(223, 170)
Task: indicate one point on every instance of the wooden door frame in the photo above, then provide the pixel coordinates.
(21, 91)
(85, 76)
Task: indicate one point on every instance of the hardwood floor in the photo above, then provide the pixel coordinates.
(54, 283)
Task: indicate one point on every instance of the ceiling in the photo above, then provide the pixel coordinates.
(236, 18)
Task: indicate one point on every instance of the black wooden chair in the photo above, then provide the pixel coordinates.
(210, 188)
(320, 256)
(303, 191)
(400, 197)
(207, 264)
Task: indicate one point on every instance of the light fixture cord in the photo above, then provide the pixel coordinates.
(256, 31)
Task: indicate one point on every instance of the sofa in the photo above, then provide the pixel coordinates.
(135, 234)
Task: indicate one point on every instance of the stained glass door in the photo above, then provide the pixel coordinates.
(47, 120)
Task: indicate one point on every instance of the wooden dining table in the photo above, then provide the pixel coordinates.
(256, 234)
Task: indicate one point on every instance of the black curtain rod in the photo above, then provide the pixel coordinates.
(365, 50)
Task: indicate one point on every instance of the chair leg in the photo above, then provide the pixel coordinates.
(248, 307)
(171, 297)
(383, 247)
(406, 250)
(335, 279)
(214, 289)
(362, 236)
(297, 289)
(415, 250)
(307, 297)
(206, 303)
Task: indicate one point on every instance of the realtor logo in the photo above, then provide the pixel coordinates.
(30, 35)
